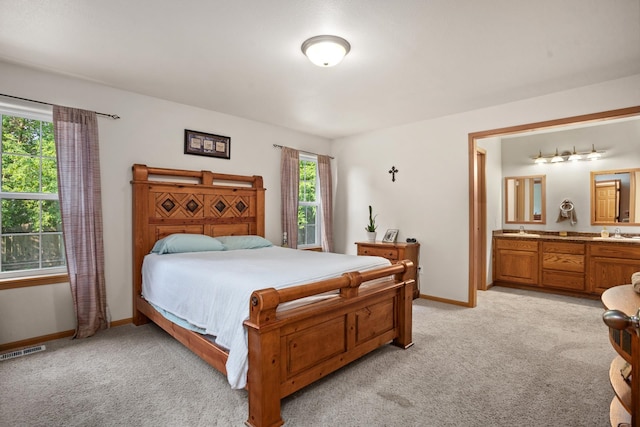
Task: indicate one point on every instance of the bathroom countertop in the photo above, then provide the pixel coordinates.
(629, 238)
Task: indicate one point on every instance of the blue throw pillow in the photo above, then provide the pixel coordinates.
(178, 243)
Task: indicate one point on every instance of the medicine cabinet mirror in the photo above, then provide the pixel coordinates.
(525, 199)
(615, 197)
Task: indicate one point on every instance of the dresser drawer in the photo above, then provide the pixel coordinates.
(563, 262)
(563, 248)
(389, 253)
(561, 280)
(613, 250)
(517, 244)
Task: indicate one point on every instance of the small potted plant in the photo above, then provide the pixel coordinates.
(371, 227)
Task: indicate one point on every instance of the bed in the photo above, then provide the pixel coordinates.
(296, 334)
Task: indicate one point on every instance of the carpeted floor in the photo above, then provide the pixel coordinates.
(518, 359)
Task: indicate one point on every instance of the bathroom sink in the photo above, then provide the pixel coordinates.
(520, 235)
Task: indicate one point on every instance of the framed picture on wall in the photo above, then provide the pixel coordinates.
(207, 144)
(390, 236)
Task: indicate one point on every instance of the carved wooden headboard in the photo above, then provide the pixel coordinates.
(167, 201)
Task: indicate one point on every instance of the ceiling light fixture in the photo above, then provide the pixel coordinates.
(573, 156)
(540, 159)
(557, 158)
(593, 155)
(326, 51)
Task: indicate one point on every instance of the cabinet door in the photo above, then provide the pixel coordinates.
(517, 266)
(606, 273)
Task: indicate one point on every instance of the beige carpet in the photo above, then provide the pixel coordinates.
(518, 359)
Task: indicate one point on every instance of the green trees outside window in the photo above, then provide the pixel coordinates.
(31, 228)
(308, 203)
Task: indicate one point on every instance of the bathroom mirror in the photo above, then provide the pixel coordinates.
(525, 199)
(614, 197)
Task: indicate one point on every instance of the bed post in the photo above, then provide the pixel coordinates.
(405, 305)
(140, 216)
(263, 378)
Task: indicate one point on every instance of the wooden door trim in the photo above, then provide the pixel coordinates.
(474, 218)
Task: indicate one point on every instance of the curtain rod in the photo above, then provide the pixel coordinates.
(113, 116)
(302, 151)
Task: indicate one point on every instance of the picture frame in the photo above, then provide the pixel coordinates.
(207, 144)
(390, 236)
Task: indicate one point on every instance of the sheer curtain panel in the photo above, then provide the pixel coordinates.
(326, 194)
(290, 187)
(76, 137)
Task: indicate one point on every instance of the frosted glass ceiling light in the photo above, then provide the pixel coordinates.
(574, 156)
(326, 51)
(557, 158)
(540, 159)
(593, 155)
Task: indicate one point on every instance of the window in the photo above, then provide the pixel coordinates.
(30, 222)
(308, 203)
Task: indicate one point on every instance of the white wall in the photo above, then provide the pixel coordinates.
(493, 183)
(430, 198)
(151, 131)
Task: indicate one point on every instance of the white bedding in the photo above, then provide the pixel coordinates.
(211, 290)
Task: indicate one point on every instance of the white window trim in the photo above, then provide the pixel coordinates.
(317, 203)
(44, 113)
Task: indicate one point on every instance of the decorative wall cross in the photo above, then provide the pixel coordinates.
(393, 171)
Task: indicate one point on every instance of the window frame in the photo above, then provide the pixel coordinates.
(39, 276)
(304, 157)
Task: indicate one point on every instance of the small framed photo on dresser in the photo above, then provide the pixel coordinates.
(390, 236)
(207, 144)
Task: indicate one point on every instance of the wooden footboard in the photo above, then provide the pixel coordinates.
(289, 350)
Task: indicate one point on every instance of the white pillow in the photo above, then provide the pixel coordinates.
(244, 242)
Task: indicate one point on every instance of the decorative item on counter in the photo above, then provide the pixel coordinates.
(567, 211)
(390, 236)
(562, 234)
(371, 227)
(604, 232)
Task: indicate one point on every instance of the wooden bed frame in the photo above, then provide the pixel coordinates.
(288, 349)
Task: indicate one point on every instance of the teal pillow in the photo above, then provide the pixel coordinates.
(178, 243)
(244, 242)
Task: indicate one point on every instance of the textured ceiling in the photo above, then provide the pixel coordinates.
(410, 59)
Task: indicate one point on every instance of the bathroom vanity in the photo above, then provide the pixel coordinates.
(580, 265)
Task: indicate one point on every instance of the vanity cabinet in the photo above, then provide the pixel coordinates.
(612, 264)
(563, 265)
(516, 260)
(579, 266)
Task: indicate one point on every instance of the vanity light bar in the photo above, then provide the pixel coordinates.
(568, 155)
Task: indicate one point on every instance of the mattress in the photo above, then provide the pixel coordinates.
(211, 290)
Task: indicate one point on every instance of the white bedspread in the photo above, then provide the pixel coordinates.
(211, 290)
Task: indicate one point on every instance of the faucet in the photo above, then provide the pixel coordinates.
(616, 233)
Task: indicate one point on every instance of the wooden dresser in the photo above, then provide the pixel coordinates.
(394, 252)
